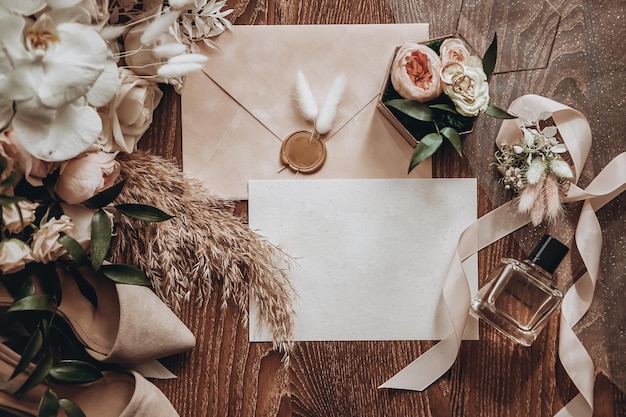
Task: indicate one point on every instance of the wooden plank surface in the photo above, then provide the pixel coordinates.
(570, 50)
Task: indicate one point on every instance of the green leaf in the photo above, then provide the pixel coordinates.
(105, 197)
(38, 375)
(427, 146)
(32, 348)
(497, 112)
(36, 302)
(72, 247)
(143, 212)
(125, 274)
(85, 288)
(73, 371)
(49, 405)
(412, 108)
(454, 138)
(71, 409)
(489, 59)
(100, 238)
(444, 107)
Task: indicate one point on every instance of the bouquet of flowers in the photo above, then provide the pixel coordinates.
(79, 81)
(437, 89)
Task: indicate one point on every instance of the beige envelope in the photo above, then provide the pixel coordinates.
(237, 111)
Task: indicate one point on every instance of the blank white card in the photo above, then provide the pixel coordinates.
(371, 255)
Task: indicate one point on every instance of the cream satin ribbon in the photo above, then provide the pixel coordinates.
(611, 181)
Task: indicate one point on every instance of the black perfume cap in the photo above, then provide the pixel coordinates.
(548, 253)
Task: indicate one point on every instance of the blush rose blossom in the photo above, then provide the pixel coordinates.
(85, 176)
(415, 72)
(46, 246)
(129, 114)
(13, 221)
(453, 50)
(14, 255)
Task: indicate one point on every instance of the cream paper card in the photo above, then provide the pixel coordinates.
(371, 255)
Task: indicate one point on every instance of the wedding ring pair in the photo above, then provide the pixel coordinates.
(453, 73)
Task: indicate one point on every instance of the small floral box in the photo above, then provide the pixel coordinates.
(410, 128)
(434, 90)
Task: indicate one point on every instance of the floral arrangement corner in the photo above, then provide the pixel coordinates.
(79, 81)
(437, 89)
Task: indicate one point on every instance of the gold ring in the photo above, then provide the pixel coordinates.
(456, 74)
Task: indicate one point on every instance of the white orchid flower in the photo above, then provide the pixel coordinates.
(22, 7)
(51, 73)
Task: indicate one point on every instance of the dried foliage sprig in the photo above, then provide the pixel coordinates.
(535, 171)
(202, 245)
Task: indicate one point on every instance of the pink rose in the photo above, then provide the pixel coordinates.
(415, 72)
(453, 50)
(14, 255)
(45, 245)
(85, 176)
(35, 170)
(14, 221)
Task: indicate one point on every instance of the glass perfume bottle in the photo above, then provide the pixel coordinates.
(520, 296)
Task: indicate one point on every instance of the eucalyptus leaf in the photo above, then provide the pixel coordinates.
(454, 138)
(412, 108)
(71, 409)
(497, 112)
(125, 274)
(100, 238)
(49, 405)
(444, 107)
(32, 348)
(143, 212)
(489, 59)
(105, 197)
(427, 146)
(38, 375)
(74, 248)
(35, 302)
(72, 371)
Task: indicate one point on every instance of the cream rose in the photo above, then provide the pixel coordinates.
(13, 221)
(84, 176)
(453, 50)
(45, 245)
(415, 72)
(470, 91)
(129, 114)
(14, 255)
(34, 169)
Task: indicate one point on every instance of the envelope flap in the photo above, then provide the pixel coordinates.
(257, 65)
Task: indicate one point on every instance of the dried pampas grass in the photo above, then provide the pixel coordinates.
(204, 243)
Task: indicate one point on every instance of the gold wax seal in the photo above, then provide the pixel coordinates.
(303, 152)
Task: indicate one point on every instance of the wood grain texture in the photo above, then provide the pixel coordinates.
(584, 67)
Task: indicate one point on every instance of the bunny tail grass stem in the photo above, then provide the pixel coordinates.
(328, 110)
(203, 244)
(304, 96)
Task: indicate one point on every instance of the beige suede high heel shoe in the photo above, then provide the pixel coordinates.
(130, 324)
(116, 394)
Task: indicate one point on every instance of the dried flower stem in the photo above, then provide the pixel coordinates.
(203, 244)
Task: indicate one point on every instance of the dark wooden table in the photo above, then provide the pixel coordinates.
(570, 50)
